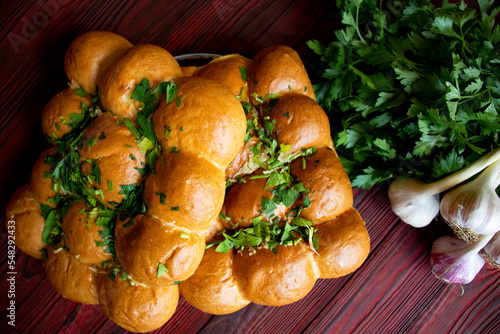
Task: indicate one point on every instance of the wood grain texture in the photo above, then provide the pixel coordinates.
(393, 292)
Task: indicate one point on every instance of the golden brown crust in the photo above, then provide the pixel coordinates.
(278, 70)
(25, 212)
(330, 189)
(141, 247)
(277, 279)
(213, 288)
(90, 54)
(81, 234)
(214, 229)
(70, 277)
(300, 122)
(226, 71)
(120, 79)
(258, 274)
(201, 132)
(344, 244)
(112, 146)
(205, 118)
(41, 186)
(136, 308)
(56, 114)
(186, 189)
(188, 71)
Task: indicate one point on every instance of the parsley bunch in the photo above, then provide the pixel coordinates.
(417, 88)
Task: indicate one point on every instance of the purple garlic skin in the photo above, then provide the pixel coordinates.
(456, 261)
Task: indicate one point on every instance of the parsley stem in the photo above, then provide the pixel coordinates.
(466, 172)
(357, 26)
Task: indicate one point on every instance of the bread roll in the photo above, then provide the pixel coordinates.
(330, 189)
(112, 147)
(81, 235)
(205, 118)
(299, 122)
(70, 277)
(186, 189)
(149, 241)
(278, 70)
(58, 113)
(136, 308)
(25, 211)
(41, 185)
(89, 55)
(344, 244)
(230, 71)
(119, 80)
(277, 279)
(213, 287)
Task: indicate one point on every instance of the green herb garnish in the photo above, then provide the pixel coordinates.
(417, 88)
(161, 270)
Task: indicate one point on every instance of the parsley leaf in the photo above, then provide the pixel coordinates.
(415, 87)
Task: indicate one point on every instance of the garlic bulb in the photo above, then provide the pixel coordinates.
(413, 203)
(491, 253)
(456, 261)
(474, 208)
(417, 203)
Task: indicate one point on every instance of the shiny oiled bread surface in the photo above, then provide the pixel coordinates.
(288, 273)
(117, 82)
(111, 145)
(56, 114)
(81, 234)
(202, 137)
(25, 211)
(90, 54)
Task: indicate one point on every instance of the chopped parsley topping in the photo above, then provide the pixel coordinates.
(110, 185)
(268, 230)
(162, 270)
(167, 131)
(80, 91)
(162, 197)
(171, 91)
(243, 72)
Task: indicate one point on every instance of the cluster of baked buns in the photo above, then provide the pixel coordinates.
(224, 186)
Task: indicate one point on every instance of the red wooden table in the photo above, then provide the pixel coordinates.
(394, 291)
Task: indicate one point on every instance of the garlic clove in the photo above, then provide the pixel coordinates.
(474, 208)
(456, 261)
(412, 202)
(491, 252)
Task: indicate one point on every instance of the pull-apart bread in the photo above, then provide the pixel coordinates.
(220, 182)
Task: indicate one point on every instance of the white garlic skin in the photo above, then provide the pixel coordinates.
(412, 203)
(456, 261)
(472, 208)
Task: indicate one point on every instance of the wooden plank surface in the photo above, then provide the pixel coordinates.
(393, 292)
